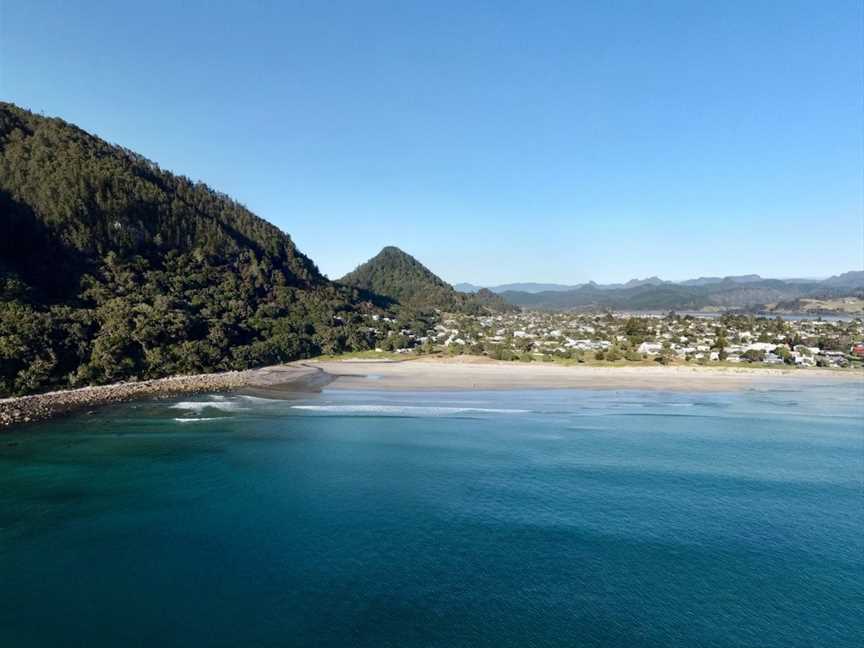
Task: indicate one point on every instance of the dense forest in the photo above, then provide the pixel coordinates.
(112, 268)
(400, 277)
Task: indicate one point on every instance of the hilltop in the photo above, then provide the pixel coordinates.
(112, 268)
(397, 275)
(400, 277)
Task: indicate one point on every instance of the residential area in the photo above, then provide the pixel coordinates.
(619, 337)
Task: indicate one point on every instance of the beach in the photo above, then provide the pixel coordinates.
(458, 373)
(471, 372)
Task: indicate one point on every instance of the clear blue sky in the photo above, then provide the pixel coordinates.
(495, 141)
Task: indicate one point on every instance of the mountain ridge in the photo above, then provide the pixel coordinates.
(853, 279)
(750, 295)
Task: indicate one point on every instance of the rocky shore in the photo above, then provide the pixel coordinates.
(26, 409)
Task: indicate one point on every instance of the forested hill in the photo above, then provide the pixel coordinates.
(112, 268)
(397, 275)
(93, 198)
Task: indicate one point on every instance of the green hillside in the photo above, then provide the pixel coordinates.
(394, 274)
(112, 268)
(400, 277)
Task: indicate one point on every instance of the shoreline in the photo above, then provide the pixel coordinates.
(266, 381)
(416, 374)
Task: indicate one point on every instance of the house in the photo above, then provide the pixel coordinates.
(650, 347)
(858, 350)
(767, 347)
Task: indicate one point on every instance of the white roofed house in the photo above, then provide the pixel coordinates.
(767, 347)
(650, 347)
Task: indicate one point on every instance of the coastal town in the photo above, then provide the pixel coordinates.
(629, 338)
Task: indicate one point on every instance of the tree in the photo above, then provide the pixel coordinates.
(666, 355)
(753, 355)
(635, 328)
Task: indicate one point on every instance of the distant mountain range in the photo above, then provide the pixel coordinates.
(851, 279)
(750, 292)
(517, 287)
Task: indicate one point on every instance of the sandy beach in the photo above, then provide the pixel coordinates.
(425, 373)
(465, 372)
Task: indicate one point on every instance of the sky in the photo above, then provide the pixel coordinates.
(494, 141)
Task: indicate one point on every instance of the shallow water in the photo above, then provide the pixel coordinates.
(414, 519)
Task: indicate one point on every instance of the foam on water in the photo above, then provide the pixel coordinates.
(199, 406)
(259, 400)
(406, 410)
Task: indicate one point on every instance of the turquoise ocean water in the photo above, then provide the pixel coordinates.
(553, 518)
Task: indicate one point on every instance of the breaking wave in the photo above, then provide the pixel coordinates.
(198, 406)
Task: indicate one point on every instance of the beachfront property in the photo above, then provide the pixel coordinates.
(670, 338)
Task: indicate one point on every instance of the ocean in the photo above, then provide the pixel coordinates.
(511, 518)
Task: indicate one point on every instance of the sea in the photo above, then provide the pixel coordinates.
(507, 518)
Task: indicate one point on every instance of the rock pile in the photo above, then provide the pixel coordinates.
(42, 406)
